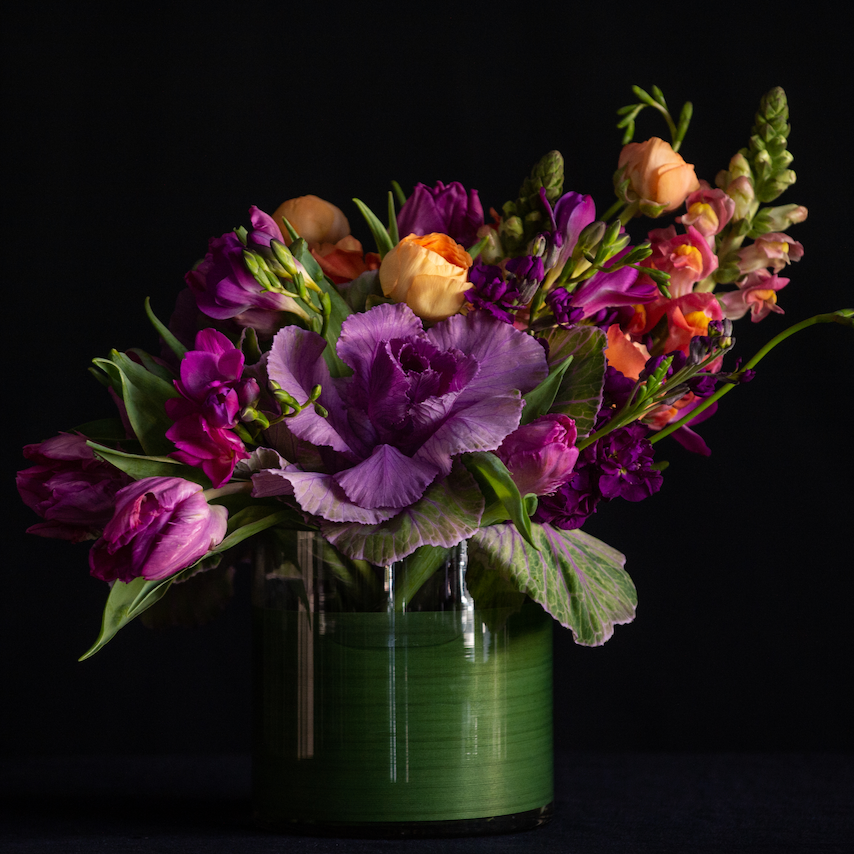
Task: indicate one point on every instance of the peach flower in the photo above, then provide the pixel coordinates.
(345, 260)
(627, 356)
(315, 220)
(429, 273)
(657, 174)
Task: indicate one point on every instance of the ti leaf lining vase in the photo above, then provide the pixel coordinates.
(389, 706)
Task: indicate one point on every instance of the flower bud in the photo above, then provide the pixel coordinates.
(540, 456)
(161, 525)
(315, 220)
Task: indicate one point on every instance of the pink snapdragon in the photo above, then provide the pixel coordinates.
(757, 293)
(773, 250)
(709, 210)
(686, 257)
(687, 316)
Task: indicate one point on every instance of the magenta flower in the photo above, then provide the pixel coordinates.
(69, 487)
(161, 526)
(215, 450)
(415, 401)
(211, 383)
(541, 455)
(447, 210)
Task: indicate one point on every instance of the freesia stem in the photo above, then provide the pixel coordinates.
(844, 316)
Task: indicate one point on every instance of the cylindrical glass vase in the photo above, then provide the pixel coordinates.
(377, 716)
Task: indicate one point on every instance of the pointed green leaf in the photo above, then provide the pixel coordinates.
(538, 401)
(292, 232)
(251, 521)
(398, 191)
(578, 579)
(171, 341)
(491, 473)
(383, 241)
(139, 467)
(103, 430)
(393, 234)
(412, 572)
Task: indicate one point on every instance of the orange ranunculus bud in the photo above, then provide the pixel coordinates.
(315, 220)
(429, 273)
(657, 174)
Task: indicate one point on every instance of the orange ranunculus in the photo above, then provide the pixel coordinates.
(315, 220)
(429, 273)
(657, 174)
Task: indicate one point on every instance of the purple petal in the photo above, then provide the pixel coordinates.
(387, 478)
(296, 363)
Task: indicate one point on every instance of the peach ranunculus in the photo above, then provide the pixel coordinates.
(429, 273)
(657, 174)
(315, 220)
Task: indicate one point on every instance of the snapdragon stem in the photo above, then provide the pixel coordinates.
(843, 316)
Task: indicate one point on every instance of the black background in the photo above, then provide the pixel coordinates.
(137, 136)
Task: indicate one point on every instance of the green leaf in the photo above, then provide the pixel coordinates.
(340, 311)
(580, 392)
(103, 430)
(171, 341)
(491, 473)
(538, 401)
(144, 395)
(292, 232)
(412, 572)
(383, 241)
(139, 467)
(251, 521)
(578, 579)
(398, 191)
(393, 234)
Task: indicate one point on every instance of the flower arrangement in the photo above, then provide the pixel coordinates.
(489, 380)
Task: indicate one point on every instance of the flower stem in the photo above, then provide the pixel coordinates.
(844, 316)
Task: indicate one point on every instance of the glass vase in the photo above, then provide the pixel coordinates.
(384, 706)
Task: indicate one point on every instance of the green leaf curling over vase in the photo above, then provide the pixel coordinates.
(377, 715)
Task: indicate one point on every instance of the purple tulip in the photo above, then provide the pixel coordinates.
(69, 487)
(161, 526)
(541, 455)
(447, 210)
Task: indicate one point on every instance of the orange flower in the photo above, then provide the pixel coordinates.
(429, 273)
(627, 356)
(658, 174)
(315, 220)
(344, 261)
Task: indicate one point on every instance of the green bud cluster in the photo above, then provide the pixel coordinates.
(291, 406)
(525, 217)
(767, 152)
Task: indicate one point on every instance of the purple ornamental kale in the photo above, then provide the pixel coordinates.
(447, 210)
(415, 401)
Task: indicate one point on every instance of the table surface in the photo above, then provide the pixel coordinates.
(641, 802)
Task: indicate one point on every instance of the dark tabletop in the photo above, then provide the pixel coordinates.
(650, 802)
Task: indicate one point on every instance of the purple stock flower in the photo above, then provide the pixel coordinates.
(447, 210)
(617, 466)
(223, 286)
(540, 456)
(491, 293)
(69, 487)
(415, 401)
(161, 526)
